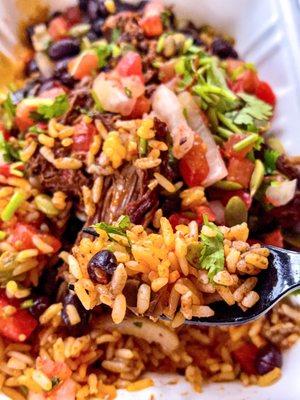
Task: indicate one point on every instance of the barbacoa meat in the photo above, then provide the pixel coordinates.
(45, 176)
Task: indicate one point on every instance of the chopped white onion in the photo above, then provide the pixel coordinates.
(167, 108)
(217, 168)
(282, 193)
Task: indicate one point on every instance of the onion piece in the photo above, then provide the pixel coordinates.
(152, 332)
(166, 106)
(217, 168)
(282, 194)
(112, 96)
(219, 210)
(44, 64)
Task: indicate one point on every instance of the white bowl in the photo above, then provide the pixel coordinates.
(267, 34)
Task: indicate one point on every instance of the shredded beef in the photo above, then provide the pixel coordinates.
(126, 192)
(48, 178)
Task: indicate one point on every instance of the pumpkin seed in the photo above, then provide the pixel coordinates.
(179, 40)
(257, 177)
(45, 205)
(169, 47)
(228, 185)
(235, 211)
(79, 30)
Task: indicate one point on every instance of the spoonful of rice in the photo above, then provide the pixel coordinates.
(280, 278)
(212, 277)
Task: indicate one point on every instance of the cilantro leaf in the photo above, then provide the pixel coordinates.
(270, 158)
(212, 254)
(9, 152)
(9, 112)
(57, 108)
(119, 229)
(104, 51)
(254, 109)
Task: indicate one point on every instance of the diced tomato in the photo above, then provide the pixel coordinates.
(274, 238)
(130, 64)
(225, 195)
(246, 82)
(18, 326)
(23, 119)
(240, 171)
(72, 15)
(142, 106)
(21, 237)
(83, 136)
(4, 132)
(230, 152)
(193, 166)
(58, 28)
(245, 355)
(265, 93)
(152, 25)
(83, 65)
(52, 93)
(180, 219)
(53, 369)
(5, 170)
(205, 210)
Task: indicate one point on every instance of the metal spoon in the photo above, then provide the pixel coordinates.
(280, 278)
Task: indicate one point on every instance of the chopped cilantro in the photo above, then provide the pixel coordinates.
(97, 101)
(104, 52)
(9, 112)
(47, 111)
(270, 158)
(128, 92)
(119, 229)
(212, 252)
(139, 324)
(9, 152)
(55, 381)
(253, 110)
(36, 129)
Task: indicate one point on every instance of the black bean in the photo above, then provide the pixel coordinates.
(67, 80)
(97, 26)
(48, 283)
(92, 36)
(79, 328)
(268, 358)
(101, 265)
(93, 10)
(64, 48)
(83, 4)
(31, 67)
(170, 205)
(61, 66)
(102, 11)
(126, 6)
(40, 304)
(223, 49)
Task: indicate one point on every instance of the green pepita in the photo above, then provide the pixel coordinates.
(169, 47)
(45, 205)
(79, 30)
(235, 212)
(257, 177)
(228, 185)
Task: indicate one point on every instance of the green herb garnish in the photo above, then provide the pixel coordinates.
(104, 52)
(9, 112)
(118, 229)
(128, 92)
(212, 254)
(52, 110)
(270, 159)
(8, 151)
